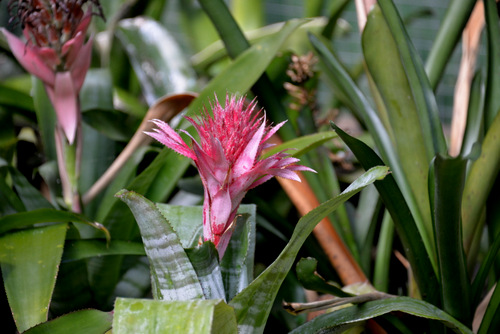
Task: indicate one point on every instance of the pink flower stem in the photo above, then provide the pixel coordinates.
(69, 158)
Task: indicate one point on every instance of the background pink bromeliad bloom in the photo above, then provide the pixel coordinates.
(228, 158)
(55, 51)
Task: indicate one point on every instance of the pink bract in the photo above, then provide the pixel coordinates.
(228, 158)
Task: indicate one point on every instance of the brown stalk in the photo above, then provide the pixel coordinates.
(165, 109)
(470, 46)
(304, 199)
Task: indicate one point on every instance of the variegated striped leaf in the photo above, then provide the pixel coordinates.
(173, 276)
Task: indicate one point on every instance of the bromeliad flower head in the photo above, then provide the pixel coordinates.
(55, 50)
(228, 158)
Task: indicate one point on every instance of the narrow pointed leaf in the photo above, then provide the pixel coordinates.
(310, 279)
(402, 217)
(340, 320)
(133, 316)
(30, 261)
(173, 275)
(491, 320)
(492, 98)
(80, 322)
(253, 304)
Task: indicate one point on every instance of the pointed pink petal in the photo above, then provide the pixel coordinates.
(49, 56)
(72, 48)
(31, 60)
(81, 65)
(65, 101)
(171, 139)
(247, 158)
(272, 131)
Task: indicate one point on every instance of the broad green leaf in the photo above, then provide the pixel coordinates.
(403, 220)
(302, 145)
(82, 249)
(11, 97)
(173, 275)
(311, 280)
(340, 320)
(423, 94)
(253, 304)
(79, 322)
(97, 90)
(359, 104)
(10, 203)
(237, 263)
(164, 317)
(446, 182)
(381, 52)
(157, 60)
(30, 261)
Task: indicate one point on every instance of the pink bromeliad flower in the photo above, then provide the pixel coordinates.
(55, 51)
(228, 158)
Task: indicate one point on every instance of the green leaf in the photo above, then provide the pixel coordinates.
(237, 263)
(97, 90)
(173, 276)
(253, 304)
(482, 273)
(446, 184)
(422, 91)
(492, 97)
(165, 317)
(359, 103)
(11, 97)
(302, 145)
(394, 201)
(490, 322)
(205, 261)
(29, 195)
(340, 320)
(29, 261)
(83, 249)
(311, 280)
(46, 118)
(24, 219)
(382, 51)
(383, 257)
(450, 31)
(152, 50)
(80, 322)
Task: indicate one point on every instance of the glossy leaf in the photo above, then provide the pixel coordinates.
(403, 220)
(156, 58)
(447, 182)
(163, 317)
(173, 276)
(491, 321)
(46, 118)
(340, 320)
(262, 291)
(30, 260)
(31, 197)
(484, 269)
(79, 322)
(380, 51)
(358, 103)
